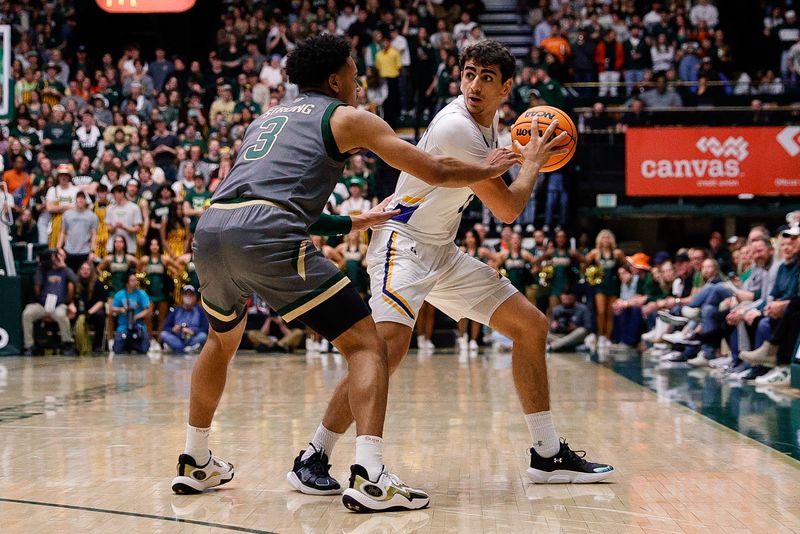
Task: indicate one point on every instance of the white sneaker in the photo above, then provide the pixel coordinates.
(699, 361)
(766, 354)
(387, 494)
(649, 336)
(690, 313)
(473, 346)
(603, 341)
(720, 363)
(679, 338)
(193, 478)
(591, 342)
(155, 346)
(779, 376)
(463, 343)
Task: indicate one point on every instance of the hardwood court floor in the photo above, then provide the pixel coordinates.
(90, 445)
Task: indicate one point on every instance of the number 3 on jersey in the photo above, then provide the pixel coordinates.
(270, 129)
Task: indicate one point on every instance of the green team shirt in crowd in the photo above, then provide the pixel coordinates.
(60, 133)
(29, 138)
(254, 107)
(197, 201)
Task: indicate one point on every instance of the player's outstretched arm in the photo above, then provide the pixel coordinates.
(355, 129)
(507, 202)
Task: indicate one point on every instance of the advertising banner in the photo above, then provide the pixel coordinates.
(712, 161)
(145, 6)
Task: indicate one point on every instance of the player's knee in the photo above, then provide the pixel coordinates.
(530, 325)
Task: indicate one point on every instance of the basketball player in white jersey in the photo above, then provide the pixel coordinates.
(412, 258)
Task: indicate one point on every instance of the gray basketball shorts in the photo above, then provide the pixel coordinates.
(253, 246)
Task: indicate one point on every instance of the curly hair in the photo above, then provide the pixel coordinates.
(488, 52)
(316, 58)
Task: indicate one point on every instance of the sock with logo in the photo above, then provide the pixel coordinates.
(369, 455)
(543, 433)
(197, 444)
(323, 439)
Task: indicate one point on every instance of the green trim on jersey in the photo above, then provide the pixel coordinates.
(327, 133)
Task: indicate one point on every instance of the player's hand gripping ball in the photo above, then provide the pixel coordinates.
(521, 132)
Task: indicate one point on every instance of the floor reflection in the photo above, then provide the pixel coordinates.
(769, 415)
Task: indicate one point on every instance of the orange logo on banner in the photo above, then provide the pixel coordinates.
(145, 6)
(712, 161)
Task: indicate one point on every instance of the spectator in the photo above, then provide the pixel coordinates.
(627, 325)
(662, 54)
(549, 89)
(130, 307)
(223, 106)
(159, 69)
(59, 199)
(88, 138)
(705, 12)
(185, 329)
(637, 58)
(609, 57)
(583, 65)
(400, 43)
(557, 45)
(388, 64)
(570, 325)
(54, 288)
(271, 72)
(196, 202)
(124, 219)
(57, 136)
(25, 230)
(18, 183)
(662, 96)
(90, 300)
(164, 147)
(79, 233)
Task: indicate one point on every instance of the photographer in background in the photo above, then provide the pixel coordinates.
(186, 327)
(571, 323)
(131, 306)
(54, 286)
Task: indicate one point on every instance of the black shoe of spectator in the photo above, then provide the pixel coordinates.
(69, 349)
(30, 351)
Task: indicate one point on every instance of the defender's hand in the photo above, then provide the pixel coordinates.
(373, 217)
(502, 159)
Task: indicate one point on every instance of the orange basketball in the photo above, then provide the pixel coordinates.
(521, 131)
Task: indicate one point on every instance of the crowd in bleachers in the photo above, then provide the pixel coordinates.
(110, 160)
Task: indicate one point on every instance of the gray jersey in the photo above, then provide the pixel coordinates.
(289, 157)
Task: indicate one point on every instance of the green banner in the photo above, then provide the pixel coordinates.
(11, 316)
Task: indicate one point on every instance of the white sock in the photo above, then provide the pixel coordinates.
(543, 433)
(369, 455)
(197, 444)
(323, 439)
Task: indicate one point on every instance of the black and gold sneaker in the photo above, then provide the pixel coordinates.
(193, 478)
(566, 467)
(387, 494)
(312, 476)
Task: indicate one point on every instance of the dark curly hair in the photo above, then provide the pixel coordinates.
(316, 58)
(488, 52)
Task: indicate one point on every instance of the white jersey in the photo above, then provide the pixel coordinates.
(431, 214)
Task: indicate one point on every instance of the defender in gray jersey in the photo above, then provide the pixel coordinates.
(255, 238)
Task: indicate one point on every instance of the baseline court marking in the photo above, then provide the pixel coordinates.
(136, 514)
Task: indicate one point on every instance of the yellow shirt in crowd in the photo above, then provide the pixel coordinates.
(387, 61)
